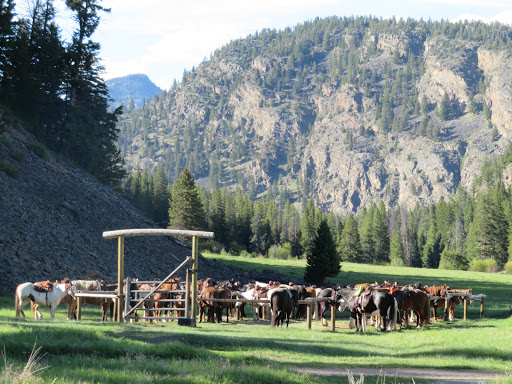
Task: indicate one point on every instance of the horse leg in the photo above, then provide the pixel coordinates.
(323, 309)
(52, 310)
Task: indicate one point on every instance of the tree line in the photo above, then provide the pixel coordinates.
(471, 229)
(55, 87)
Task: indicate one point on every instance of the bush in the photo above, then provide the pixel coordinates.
(453, 260)
(279, 252)
(479, 265)
(210, 245)
(508, 267)
(39, 149)
(235, 248)
(9, 169)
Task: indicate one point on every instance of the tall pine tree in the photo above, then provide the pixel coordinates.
(186, 211)
(323, 261)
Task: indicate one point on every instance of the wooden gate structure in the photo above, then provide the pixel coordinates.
(191, 263)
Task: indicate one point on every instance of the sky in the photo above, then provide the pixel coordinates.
(162, 38)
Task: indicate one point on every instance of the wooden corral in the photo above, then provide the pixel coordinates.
(310, 302)
(191, 262)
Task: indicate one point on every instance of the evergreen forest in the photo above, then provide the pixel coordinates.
(54, 88)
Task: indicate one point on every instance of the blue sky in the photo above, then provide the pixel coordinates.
(161, 38)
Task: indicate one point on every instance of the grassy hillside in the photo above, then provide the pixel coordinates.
(248, 352)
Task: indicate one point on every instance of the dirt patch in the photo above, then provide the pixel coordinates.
(436, 375)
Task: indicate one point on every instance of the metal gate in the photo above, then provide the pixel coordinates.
(127, 304)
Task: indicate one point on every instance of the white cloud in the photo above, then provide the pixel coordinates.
(468, 3)
(504, 17)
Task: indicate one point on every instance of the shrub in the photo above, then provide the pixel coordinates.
(210, 245)
(508, 267)
(479, 265)
(9, 169)
(235, 248)
(18, 155)
(453, 260)
(279, 252)
(39, 149)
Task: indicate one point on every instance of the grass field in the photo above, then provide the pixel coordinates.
(248, 352)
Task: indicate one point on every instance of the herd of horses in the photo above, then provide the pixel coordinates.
(388, 305)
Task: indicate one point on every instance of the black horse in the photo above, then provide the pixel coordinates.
(282, 302)
(379, 302)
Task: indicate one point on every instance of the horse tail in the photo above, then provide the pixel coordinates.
(392, 316)
(395, 313)
(426, 311)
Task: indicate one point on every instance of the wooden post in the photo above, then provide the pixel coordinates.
(78, 308)
(446, 307)
(465, 308)
(128, 295)
(187, 293)
(120, 277)
(309, 315)
(195, 257)
(482, 307)
(333, 318)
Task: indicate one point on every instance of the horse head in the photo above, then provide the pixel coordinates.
(70, 289)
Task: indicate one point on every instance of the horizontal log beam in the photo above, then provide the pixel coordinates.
(156, 232)
(96, 294)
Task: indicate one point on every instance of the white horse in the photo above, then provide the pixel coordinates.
(250, 295)
(25, 293)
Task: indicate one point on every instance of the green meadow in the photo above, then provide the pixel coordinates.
(244, 351)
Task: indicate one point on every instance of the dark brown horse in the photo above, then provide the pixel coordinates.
(369, 302)
(416, 301)
(223, 293)
(209, 306)
(281, 302)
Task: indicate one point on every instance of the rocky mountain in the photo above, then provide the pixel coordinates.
(52, 218)
(138, 87)
(345, 111)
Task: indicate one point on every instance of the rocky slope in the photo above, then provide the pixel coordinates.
(52, 216)
(303, 110)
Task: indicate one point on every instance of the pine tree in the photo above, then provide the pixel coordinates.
(444, 107)
(260, 228)
(396, 249)
(350, 244)
(186, 211)
(161, 197)
(89, 133)
(7, 37)
(367, 239)
(380, 234)
(431, 252)
(323, 261)
(217, 215)
(308, 228)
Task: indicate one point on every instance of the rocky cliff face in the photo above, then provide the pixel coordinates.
(297, 121)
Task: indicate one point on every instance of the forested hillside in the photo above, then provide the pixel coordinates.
(343, 111)
(395, 132)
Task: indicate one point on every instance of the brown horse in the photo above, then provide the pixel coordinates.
(416, 301)
(223, 293)
(439, 290)
(211, 306)
(166, 294)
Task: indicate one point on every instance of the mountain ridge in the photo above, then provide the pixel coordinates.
(137, 86)
(344, 111)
